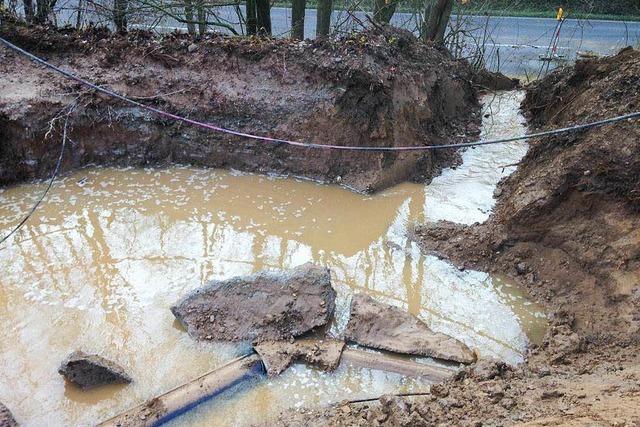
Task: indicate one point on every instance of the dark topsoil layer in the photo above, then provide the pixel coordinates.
(567, 228)
(378, 88)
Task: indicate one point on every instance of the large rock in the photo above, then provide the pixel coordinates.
(279, 355)
(381, 326)
(6, 418)
(269, 305)
(90, 370)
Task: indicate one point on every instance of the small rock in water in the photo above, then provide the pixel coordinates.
(90, 370)
(6, 418)
(269, 305)
(382, 326)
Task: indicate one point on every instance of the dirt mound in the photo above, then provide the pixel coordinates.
(594, 392)
(269, 305)
(566, 228)
(384, 327)
(90, 370)
(378, 88)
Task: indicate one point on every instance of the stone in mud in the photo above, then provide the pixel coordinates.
(381, 326)
(6, 418)
(279, 355)
(89, 370)
(269, 305)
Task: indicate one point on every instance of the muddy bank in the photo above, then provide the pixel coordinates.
(566, 222)
(566, 228)
(375, 89)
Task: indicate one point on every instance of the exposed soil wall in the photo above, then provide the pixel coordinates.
(381, 88)
(567, 220)
(567, 228)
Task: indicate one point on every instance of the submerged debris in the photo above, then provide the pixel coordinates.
(279, 355)
(90, 370)
(381, 326)
(269, 305)
(6, 418)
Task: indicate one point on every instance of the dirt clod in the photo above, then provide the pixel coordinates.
(90, 370)
(381, 326)
(279, 355)
(269, 305)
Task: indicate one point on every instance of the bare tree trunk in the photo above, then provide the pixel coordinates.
(188, 16)
(252, 20)
(202, 17)
(263, 14)
(384, 10)
(28, 11)
(323, 24)
(79, 15)
(43, 9)
(120, 15)
(437, 15)
(297, 18)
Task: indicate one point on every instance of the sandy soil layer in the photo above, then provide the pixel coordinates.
(381, 88)
(566, 227)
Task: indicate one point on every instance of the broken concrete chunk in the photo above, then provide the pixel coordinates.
(90, 370)
(6, 418)
(279, 355)
(381, 326)
(269, 305)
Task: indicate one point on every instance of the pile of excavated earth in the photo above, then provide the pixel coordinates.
(567, 228)
(379, 88)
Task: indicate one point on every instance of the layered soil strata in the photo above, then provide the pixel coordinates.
(380, 88)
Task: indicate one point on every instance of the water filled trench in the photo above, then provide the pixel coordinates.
(100, 263)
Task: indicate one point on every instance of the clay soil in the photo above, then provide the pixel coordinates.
(566, 225)
(380, 88)
(567, 228)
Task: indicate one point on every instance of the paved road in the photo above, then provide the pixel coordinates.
(514, 46)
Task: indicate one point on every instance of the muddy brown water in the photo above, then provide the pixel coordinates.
(100, 263)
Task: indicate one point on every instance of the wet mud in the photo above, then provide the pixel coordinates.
(385, 327)
(267, 306)
(565, 227)
(88, 371)
(279, 355)
(379, 88)
(100, 264)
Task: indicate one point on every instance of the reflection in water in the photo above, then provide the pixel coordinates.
(101, 262)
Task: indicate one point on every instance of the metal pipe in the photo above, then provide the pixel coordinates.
(385, 362)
